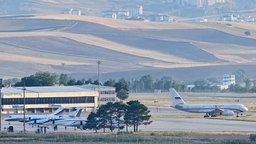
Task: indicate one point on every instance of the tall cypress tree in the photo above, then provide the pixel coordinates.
(137, 114)
(93, 122)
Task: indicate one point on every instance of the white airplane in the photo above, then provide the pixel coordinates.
(51, 120)
(34, 117)
(212, 110)
(81, 123)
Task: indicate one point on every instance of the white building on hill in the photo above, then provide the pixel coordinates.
(227, 80)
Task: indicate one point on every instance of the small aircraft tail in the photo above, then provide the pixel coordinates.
(76, 112)
(176, 99)
(59, 110)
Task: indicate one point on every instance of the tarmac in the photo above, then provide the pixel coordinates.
(163, 119)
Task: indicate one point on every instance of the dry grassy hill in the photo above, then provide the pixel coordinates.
(73, 45)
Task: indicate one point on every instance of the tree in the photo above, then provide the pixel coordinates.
(10, 82)
(201, 85)
(241, 76)
(121, 84)
(71, 82)
(79, 82)
(236, 88)
(39, 79)
(63, 79)
(248, 84)
(46, 78)
(111, 115)
(96, 82)
(120, 110)
(89, 81)
(248, 33)
(122, 89)
(159, 84)
(148, 82)
(109, 83)
(122, 94)
(169, 82)
(105, 116)
(137, 114)
(93, 122)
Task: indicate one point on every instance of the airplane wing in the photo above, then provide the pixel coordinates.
(75, 122)
(45, 120)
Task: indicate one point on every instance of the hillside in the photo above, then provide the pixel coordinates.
(73, 45)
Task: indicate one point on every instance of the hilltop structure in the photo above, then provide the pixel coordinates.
(227, 80)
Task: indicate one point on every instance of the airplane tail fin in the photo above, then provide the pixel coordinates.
(59, 110)
(76, 112)
(176, 99)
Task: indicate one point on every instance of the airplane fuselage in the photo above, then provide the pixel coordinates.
(207, 108)
(28, 117)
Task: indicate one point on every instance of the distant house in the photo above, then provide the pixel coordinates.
(200, 3)
(190, 87)
(213, 2)
(159, 18)
(227, 80)
(249, 19)
(231, 17)
(131, 12)
(135, 12)
(123, 14)
(115, 14)
(225, 18)
(109, 14)
(73, 12)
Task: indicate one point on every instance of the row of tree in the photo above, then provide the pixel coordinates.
(145, 84)
(50, 79)
(114, 115)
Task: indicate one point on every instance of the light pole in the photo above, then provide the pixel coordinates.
(99, 62)
(24, 110)
(1, 81)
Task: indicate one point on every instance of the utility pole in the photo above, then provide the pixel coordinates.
(24, 109)
(1, 81)
(99, 62)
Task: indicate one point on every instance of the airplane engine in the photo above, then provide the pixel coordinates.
(227, 113)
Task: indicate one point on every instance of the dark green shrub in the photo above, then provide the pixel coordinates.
(252, 137)
(247, 33)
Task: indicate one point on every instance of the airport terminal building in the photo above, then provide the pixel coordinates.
(49, 98)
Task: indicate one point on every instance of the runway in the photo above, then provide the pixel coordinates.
(199, 125)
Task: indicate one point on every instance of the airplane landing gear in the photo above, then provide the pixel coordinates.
(206, 115)
(55, 128)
